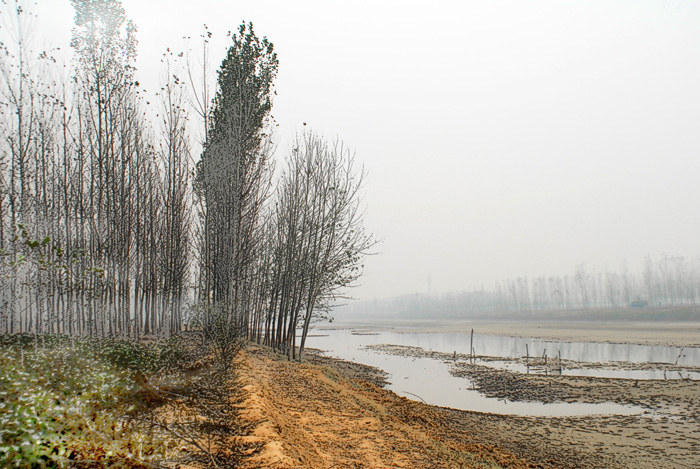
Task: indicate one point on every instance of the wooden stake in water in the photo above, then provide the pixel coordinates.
(546, 367)
(527, 358)
(471, 348)
(680, 354)
(560, 362)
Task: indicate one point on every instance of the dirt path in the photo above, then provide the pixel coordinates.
(308, 416)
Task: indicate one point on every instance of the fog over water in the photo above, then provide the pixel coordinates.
(502, 138)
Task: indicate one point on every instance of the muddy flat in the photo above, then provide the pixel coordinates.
(664, 431)
(335, 414)
(317, 416)
(666, 334)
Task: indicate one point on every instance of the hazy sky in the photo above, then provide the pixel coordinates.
(501, 138)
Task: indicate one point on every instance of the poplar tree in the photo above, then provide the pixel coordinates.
(316, 240)
(233, 175)
(105, 45)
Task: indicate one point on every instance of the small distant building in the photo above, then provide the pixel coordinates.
(639, 303)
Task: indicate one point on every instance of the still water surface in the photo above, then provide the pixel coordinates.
(429, 380)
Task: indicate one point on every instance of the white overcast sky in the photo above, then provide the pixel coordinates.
(501, 138)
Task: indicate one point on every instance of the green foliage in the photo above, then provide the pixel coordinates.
(143, 357)
(66, 402)
(241, 112)
(244, 98)
(36, 255)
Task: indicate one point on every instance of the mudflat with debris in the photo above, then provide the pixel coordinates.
(303, 415)
(331, 413)
(665, 432)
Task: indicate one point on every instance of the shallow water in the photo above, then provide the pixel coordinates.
(429, 380)
(511, 347)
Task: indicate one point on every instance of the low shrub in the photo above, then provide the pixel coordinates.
(67, 402)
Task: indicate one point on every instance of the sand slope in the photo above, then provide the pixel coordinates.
(308, 416)
(329, 415)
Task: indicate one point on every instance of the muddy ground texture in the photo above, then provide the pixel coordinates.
(329, 415)
(665, 434)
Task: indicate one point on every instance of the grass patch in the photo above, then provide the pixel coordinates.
(104, 403)
(331, 374)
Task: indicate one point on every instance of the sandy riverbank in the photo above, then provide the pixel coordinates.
(331, 415)
(302, 415)
(665, 432)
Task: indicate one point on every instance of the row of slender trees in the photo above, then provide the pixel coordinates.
(103, 189)
(315, 241)
(109, 227)
(666, 282)
(272, 259)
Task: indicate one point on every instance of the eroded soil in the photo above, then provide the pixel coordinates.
(666, 435)
(329, 415)
(311, 416)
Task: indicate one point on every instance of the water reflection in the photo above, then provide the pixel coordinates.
(429, 380)
(502, 346)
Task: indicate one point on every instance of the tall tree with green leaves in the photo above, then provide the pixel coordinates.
(233, 175)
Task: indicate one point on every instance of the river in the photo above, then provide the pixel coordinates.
(429, 379)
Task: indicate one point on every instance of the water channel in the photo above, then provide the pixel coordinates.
(430, 380)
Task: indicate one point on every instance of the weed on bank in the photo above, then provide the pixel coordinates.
(85, 402)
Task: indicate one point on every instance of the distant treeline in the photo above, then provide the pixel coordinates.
(666, 282)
